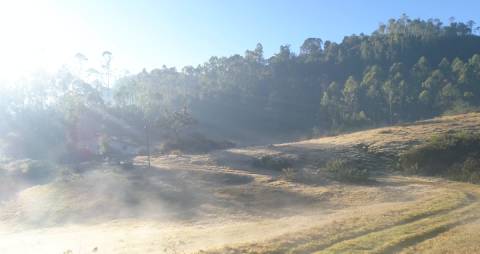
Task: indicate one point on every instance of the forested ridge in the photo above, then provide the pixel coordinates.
(405, 70)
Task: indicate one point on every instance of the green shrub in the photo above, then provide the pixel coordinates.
(272, 162)
(468, 171)
(453, 155)
(460, 107)
(292, 174)
(438, 154)
(126, 164)
(33, 171)
(194, 144)
(345, 171)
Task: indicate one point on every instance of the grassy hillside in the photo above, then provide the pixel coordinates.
(433, 223)
(283, 198)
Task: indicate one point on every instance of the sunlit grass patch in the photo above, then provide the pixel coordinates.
(395, 238)
(459, 240)
(319, 238)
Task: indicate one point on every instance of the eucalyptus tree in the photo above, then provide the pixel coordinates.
(107, 60)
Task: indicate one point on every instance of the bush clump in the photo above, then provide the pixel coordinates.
(32, 171)
(126, 164)
(345, 171)
(292, 174)
(194, 144)
(272, 162)
(452, 155)
(468, 171)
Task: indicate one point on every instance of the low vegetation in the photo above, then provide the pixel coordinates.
(346, 171)
(271, 162)
(31, 171)
(341, 170)
(194, 144)
(452, 155)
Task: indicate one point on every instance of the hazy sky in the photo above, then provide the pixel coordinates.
(177, 33)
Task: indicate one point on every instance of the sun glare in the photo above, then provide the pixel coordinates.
(38, 36)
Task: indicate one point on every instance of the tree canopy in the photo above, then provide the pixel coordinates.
(405, 70)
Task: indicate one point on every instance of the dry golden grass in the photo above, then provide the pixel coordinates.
(442, 224)
(234, 208)
(360, 233)
(463, 239)
(397, 138)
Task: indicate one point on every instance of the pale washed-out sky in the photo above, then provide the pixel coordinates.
(148, 34)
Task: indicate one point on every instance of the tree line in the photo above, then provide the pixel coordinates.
(405, 70)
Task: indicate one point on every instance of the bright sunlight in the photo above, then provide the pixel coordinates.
(37, 35)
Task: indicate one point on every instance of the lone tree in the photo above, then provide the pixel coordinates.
(107, 60)
(149, 102)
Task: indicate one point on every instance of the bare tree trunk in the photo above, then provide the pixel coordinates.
(390, 105)
(391, 116)
(147, 142)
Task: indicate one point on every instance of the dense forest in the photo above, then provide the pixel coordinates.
(405, 70)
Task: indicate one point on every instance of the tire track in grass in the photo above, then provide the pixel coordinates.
(394, 239)
(319, 238)
(460, 200)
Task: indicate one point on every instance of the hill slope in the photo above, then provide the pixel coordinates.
(220, 203)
